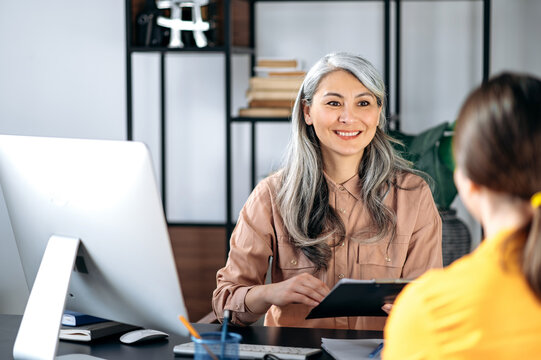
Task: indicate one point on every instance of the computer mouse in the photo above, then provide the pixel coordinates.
(142, 335)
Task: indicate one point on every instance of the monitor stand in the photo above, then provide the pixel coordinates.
(38, 334)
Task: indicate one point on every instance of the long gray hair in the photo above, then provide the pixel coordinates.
(303, 197)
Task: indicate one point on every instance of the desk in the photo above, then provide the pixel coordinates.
(113, 349)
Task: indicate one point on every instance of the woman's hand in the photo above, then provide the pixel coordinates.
(300, 289)
(387, 308)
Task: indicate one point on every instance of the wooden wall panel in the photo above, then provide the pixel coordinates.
(199, 252)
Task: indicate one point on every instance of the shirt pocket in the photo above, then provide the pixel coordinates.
(374, 261)
(290, 260)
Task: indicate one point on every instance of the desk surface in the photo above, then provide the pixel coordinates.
(111, 348)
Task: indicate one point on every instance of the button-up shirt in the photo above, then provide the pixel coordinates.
(260, 237)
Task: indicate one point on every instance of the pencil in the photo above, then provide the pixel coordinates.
(224, 331)
(196, 335)
(376, 351)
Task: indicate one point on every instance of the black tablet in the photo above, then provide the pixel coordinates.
(351, 297)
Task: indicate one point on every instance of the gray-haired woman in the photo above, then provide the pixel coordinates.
(344, 205)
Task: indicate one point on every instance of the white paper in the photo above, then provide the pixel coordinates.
(351, 349)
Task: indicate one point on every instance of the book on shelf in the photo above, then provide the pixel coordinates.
(74, 318)
(294, 73)
(266, 71)
(277, 63)
(276, 83)
(267, 103)
(271, 94)
(265, 66)
(90, 332)
(265, 112)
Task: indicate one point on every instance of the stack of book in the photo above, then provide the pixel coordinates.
(273, 91)
(74, 318)
(77, 326)
(94, 331)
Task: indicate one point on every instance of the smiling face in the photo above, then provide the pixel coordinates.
(345, 116)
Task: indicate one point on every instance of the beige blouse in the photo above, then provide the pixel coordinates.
(260, 236)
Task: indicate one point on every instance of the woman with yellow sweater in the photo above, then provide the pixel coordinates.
(486, 305)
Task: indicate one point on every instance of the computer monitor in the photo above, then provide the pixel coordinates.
(88, 211)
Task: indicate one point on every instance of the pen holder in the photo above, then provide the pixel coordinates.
(212, 341)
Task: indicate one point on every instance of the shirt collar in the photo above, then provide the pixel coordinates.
(352, 185)
(496, 247)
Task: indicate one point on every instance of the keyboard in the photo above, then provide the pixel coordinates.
(249, 351)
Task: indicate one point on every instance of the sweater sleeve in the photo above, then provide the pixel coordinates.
(424, 251)
(251, 246)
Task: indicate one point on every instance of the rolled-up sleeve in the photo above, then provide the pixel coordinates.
(424, 250)
(251, 246)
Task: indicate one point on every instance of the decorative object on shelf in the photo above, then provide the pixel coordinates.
(176, 24)
(431, 152)
(147, 31)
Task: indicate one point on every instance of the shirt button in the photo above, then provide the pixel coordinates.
(340, 276)
(343, 211)
(294, 262)
(343, 243)
(237, 307)
(341, 188)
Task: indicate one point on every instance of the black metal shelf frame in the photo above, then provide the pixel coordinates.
(214, 49)
(228, 50)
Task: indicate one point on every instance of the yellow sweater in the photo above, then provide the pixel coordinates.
(480, 307)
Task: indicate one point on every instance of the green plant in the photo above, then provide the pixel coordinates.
(431, 153)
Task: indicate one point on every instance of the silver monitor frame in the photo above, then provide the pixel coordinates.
(95, 204)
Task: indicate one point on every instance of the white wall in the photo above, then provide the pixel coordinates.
(62, 73)
(516, 28)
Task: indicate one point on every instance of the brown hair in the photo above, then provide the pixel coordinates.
(497, 143)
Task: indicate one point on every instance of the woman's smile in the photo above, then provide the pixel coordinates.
(345, 116)
(347, 135)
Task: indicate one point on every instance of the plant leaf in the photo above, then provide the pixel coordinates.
(431, 153)
(406, 141)
(445, 152)
(444, 189)
(427, 139)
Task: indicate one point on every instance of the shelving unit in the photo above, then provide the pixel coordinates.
(194, 243)
(228, 50)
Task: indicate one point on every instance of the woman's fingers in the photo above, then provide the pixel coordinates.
(313, 291)
(387, 308)
(303, 289)
(299, 298)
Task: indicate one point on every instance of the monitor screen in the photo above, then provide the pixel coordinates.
(101, 194)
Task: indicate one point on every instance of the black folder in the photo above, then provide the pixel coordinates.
(351, 297)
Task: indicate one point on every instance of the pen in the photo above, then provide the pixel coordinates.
(376, 351)
(224, 331)
(196, 335)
